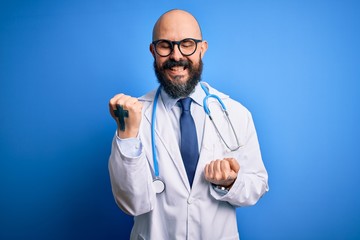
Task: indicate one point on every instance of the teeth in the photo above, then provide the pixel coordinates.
(177, 68)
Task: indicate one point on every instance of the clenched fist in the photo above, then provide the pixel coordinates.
(222, 172)
(133, 119)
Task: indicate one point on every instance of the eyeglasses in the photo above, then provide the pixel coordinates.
(186, 46)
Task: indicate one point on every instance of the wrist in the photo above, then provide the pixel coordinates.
(227, 185)
(127, 134)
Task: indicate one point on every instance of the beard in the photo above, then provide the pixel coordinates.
(174, 88)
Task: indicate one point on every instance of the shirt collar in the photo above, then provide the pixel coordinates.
(197, 96)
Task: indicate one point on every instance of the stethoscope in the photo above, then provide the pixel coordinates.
(158, 183)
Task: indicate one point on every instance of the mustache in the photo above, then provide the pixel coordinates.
(172, 63)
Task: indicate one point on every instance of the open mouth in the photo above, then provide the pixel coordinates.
(178, 69)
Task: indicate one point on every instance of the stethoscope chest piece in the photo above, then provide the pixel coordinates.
(159, 185)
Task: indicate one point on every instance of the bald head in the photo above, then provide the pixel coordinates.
(176, 25)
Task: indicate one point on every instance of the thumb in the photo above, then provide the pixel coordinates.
(234, 165)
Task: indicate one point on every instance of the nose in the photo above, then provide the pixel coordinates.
(176, 54)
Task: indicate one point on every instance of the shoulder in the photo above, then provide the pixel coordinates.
(214, 91)
(231, 104)
(148, 97)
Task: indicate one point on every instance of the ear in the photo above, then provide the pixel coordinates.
(152, 50)
(203, 48)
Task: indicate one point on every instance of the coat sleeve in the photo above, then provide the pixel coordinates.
(252, 180)
(131, 181)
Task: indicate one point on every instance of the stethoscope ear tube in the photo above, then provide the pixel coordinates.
(206, 106)
(233, 130)
(223, 107)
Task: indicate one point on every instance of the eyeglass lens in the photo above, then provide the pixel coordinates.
(186, 47)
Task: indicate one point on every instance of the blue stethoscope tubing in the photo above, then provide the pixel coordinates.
(207, 111)
(153, 143)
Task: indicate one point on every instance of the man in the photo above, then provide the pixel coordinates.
(203, 180)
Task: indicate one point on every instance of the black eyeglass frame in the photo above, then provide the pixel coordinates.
(172, 43)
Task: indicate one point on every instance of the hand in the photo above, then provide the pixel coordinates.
(222, 172)
(132, 122)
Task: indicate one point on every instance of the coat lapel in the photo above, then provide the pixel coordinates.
(206, 152)
(165, 137)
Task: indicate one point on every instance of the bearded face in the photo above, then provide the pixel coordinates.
(176, 87)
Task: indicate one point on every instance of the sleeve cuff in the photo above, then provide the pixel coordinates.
(130, 147)
(220, 190)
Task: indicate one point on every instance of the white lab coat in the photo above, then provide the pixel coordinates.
(181, 212)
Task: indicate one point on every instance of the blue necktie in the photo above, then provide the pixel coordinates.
(189, 144)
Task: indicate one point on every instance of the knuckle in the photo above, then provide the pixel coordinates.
(218, 177)
(112, 101)
(139, 107)
(127, 105)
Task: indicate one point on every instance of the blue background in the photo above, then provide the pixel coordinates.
(294, 64)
